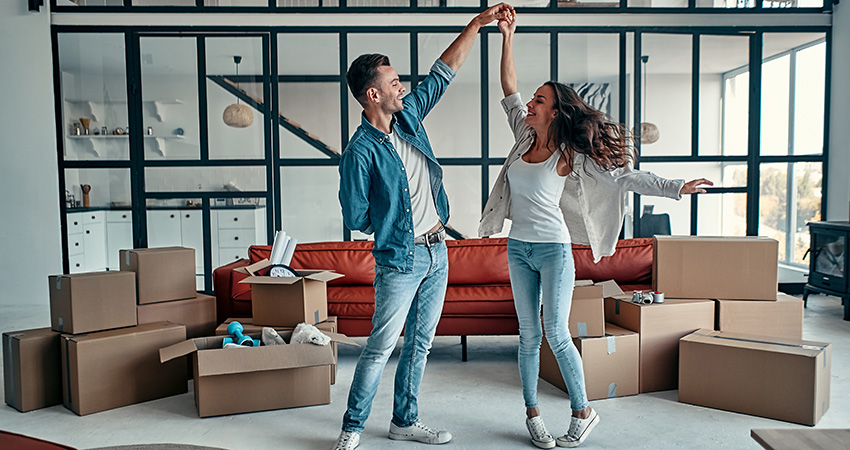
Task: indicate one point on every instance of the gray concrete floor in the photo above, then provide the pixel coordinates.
(479, 401)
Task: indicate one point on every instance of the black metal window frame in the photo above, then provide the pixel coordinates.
(273, 161)
(413, 7)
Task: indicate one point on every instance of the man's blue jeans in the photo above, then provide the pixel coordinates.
(545, 272)
(412, 301)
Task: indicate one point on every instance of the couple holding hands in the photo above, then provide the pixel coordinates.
(565, 180)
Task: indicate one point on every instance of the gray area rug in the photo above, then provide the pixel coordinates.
(158, 447)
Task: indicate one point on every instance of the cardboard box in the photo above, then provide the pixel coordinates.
(611, 364)
(248, 327)
(587, 312)
(197, 314)
(32, 376)
(95, 301)
(162, 273)
(287, 301)
(121, 367)
(240, 380)
(782, 318)
(660, 327)
(783, 379)
(743, 268)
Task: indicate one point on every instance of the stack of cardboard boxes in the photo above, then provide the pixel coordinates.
(723, 336)
(230, 381)
(101, 351)
(754, 360)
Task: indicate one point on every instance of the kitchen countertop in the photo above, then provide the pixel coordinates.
(127, 208)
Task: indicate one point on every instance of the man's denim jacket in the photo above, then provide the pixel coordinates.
(373, 189)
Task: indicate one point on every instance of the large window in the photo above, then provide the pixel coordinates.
(168, 151)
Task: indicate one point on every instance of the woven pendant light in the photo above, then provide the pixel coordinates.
(238, 115)
(649, 133)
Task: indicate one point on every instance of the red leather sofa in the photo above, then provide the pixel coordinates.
(478, 299)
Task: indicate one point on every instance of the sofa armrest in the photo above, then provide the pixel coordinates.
(222, 279)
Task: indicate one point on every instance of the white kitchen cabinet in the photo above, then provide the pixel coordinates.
(234, 230)
(181, 228)
(86, 241)
(119, 236)
(94, 238)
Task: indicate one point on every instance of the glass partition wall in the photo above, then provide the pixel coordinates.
(146, 141)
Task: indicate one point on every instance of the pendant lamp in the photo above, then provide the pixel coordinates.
(648, 131)
(238, 115)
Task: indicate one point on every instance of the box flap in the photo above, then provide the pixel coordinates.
(340, 338)
(587, 292)
(610, 288)
(324, 276)
(756, 342)
(225, 361)
(252, 269)
(270, 280)
(177, 350)
(583, 283)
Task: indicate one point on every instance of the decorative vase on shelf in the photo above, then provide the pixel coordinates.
(85, 121)
(86, 188)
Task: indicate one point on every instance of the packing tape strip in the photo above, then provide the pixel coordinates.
(757, 341)
(582, 329)
(617, 307)
(59, 283)
(127, 259)
(612, 344)
(68, 403)
(316, 316)
(612, 390)
(13, 371)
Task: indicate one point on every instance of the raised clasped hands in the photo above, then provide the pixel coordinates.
(507, 24)
(500, 12)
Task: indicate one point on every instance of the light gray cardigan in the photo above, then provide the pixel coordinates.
(593, 201)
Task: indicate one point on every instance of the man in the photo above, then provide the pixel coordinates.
(391, 185)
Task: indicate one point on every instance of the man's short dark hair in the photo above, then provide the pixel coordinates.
(362, 73)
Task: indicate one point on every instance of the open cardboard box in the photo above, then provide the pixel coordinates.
(287, 301)
(248, 328)
(239, 380)
(587, 312)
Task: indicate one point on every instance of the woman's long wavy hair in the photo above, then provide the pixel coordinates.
(584, 129)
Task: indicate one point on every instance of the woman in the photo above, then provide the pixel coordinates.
(566, 177)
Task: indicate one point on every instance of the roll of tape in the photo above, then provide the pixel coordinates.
(657, 297)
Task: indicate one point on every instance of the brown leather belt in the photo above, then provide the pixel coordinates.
(429, 239)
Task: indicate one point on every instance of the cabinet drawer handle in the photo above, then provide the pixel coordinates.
(236, 238)
(123, 216)
(236, 219)
(188, 216)
(88, 232)
(76, 223)
(92, 217)
(78, 264)
(76, 244)
(172, 216)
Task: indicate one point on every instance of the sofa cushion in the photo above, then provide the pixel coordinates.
(478, 261)
(631, 264)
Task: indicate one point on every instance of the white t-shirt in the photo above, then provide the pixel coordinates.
(535, 192)
(424, 209)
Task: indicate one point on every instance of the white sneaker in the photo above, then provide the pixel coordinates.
(579, 430)
(539, 434)
(419, 432)
(347, 440)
